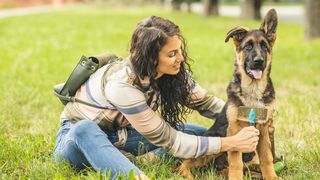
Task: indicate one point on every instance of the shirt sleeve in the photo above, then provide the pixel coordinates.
(207, 105)
(132, 104)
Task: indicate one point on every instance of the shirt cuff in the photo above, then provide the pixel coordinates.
(214, 145)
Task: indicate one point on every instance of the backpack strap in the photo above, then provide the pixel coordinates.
(80, 74)
(74, 99)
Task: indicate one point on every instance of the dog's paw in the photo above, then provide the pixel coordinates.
(235, 174)
(185, 172)
(271, 177)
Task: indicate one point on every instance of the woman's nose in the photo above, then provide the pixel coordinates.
(180, 57)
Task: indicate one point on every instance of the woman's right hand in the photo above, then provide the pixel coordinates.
(246, 140)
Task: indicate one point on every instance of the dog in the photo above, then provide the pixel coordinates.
(251, 88)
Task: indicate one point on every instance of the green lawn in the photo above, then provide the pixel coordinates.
(38, 51)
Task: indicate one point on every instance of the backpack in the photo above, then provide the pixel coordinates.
(80, 74)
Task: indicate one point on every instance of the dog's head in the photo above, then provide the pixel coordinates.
(254, 47)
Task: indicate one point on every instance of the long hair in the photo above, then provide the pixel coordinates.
(147, 40)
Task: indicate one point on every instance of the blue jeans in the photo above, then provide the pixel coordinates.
(84, 144)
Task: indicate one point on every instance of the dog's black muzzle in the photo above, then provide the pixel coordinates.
(254, 67)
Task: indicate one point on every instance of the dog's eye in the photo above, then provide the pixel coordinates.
(248, 47)
(264, 46)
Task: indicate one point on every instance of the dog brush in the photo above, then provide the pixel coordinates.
(252, 117)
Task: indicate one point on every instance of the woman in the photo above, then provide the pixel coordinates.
(156, 76)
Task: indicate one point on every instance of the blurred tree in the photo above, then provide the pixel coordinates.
(210, 7)
(250, 9)
(188, 2)
(176, 4)
(160, 2)
(312, 29)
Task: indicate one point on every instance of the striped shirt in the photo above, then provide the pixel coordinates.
(131, 102)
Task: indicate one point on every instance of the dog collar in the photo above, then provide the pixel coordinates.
(261, 114)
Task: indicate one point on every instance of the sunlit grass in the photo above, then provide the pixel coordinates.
(38, 51)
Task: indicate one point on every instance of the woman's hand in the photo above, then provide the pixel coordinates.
(246, 140)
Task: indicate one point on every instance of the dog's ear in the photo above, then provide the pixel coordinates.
(269, 25)
(238, 34)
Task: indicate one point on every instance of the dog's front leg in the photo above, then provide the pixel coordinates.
(234, 157)
(265, 154)
(185, 168)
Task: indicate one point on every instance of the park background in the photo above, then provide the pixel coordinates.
(42, 40)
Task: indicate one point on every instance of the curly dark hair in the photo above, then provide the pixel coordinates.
(147, 40)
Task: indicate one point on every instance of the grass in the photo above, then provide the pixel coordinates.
(38, 51)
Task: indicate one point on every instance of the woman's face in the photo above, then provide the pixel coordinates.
(170, 57)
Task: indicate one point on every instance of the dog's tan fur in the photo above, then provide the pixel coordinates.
(246, 90)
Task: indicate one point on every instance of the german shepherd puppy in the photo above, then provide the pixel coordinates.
(251, 88)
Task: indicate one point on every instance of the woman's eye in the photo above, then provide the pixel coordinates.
(172, 54)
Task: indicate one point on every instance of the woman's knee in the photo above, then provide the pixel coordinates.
(84, 128)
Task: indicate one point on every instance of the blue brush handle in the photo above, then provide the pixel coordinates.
(252, 117)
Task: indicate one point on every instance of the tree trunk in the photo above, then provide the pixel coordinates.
(189, 6)
(176, 5)
(210, 8)
(159, 2)
(312, 28)
(250, 9)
